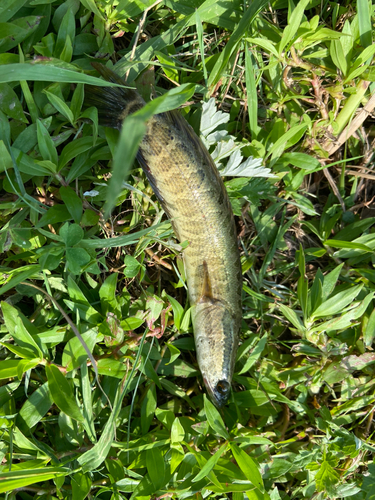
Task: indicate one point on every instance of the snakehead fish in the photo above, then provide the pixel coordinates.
(186, 181)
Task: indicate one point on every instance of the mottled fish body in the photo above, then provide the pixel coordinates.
(191, 191)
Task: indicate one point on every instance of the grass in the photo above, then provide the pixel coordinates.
(100, 393)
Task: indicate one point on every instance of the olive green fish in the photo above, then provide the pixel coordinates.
(191, 191)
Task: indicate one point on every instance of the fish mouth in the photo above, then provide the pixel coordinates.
(219, 393)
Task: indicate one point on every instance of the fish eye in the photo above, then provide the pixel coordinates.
(222, 387)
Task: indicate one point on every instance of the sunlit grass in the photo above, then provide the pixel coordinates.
(100, 395)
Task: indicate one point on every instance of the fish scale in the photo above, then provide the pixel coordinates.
(186, 181)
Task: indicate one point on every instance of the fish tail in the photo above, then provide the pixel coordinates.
(114, 104)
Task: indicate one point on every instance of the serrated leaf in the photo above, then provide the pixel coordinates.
(211, 118)
(251, 167)
(326, 478)
(224, 149)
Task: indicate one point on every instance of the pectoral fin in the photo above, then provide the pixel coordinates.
(206, 294)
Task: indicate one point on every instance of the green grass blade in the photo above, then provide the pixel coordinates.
(132, 132)
(93, 458)
(199, 26)
(248, 466)
(87, 403)
(146, 51)
(350, 107)
(48, 73)
(29, 271)
(294, 23)
(252, 97)
(337, 303)
(214, 419)
(12, 480)
(118, 241)
(210, 464)
(236, 37)
(364, 22)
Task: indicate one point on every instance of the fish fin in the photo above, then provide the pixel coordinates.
(206, 295)
(113, 103)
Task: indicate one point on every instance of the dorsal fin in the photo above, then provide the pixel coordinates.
(113, 103)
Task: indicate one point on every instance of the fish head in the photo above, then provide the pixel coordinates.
(216, 339)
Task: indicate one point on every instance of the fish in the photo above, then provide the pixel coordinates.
(191, 191)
